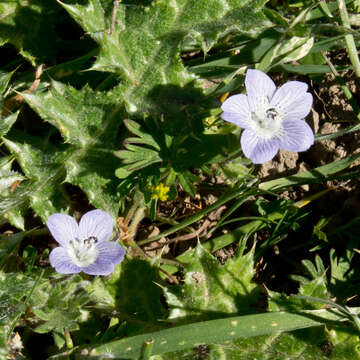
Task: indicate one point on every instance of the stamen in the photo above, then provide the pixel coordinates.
(90, 241)
(271, 113)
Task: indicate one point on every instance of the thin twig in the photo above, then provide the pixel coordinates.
(186, 236)
(113, 16)
(171, 278)
(15, 102)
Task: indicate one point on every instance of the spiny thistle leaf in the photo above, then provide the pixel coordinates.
(7, 122)
(202, 297)
(18, 16)
(144, 45)
(4, 79)
(87, 121)
(43, 189)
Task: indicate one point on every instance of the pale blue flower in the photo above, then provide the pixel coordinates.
(272, 118)
(84, 246)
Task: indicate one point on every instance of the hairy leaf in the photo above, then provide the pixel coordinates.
(60, 305)
(212, 290)
(87, 120)
(143, 45)
(43, 189)
(17, 17)
(133, 293)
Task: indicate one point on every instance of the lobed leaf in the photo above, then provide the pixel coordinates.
(18, 16)
(87, 120)
(144, 46)
(211, 290)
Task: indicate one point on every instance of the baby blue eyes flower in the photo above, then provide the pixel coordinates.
(272, 118)
(84, 246)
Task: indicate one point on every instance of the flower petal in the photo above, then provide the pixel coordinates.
(260, 89)
(292, 100)
(63, 228)
(258, 150)
(60, 260)
(236, 110)
(298, 136)
(96, 223)
(99, 267)
(111, 251)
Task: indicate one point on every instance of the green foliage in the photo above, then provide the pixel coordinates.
(13, 287)
(144, 47)
(212, 290)
(132, 292)
(61, 305)
(18, 16)
(316, 286)
(214, 331)
(3, 341)
(171, 153)
(145, 114)
(86, 160)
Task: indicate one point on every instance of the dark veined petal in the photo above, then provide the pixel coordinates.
(259, 88)
(96, 223)
(298, 136)
(258, 150)
(60, 260)
(63, 228)
(236, 110)
(292, 100)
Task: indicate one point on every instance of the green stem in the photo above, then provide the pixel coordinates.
(139, 215)
(68, 340)
(349, 39)
(223, 200)
(146, 350)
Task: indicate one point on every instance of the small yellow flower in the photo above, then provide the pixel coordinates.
(160, 192)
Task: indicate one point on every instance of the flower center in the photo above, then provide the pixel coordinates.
(83, 252)
(267, 122)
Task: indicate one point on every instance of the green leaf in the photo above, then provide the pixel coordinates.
(3, 341)
(306, 177)
(18, 16)
(202, 296)
(316, 286)
(61, 304)
(7, 176)
(132, 292)
(346, 344)
(144, 49)
(88, 122)
(301, 344)
(43, 189)
(13, 287)
(214, 331)
(57, 319)
(8, 243)
(4, 79)
(342, 275)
